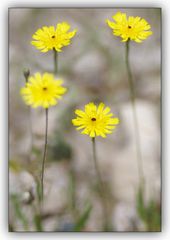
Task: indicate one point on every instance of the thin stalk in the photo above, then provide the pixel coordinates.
(31, 133)
(55, 61)
(44, 155)
(101, 186)
(26, 73)
(135, 119)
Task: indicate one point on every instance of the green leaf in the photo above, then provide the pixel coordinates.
(14, 166)
(150, 213)
(59, 149)
(18, 211)
(36, 151)
(140, 205)
(153, 216)
(38, 222)
(82, 219)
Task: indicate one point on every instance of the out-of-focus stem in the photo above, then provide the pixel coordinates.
(26, 73)
(135, 119)
(101, 186)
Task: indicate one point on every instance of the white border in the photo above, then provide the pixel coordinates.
(4, 5)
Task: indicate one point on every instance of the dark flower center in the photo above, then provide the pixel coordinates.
(129, 27)
(93, 119)
(53, 36)
(44, 88)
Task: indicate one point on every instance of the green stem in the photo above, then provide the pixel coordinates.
(31, 133)
(101, 186)
(55, 61)
(135, 119)
(44, 155)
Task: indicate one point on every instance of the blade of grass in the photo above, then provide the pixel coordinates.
(18, 211)
(140, 205)
(82, 219)
(38, 223)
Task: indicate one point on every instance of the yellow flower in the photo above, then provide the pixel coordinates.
(49, 38)
(95, 121)
(131, 28)
(42, 90)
